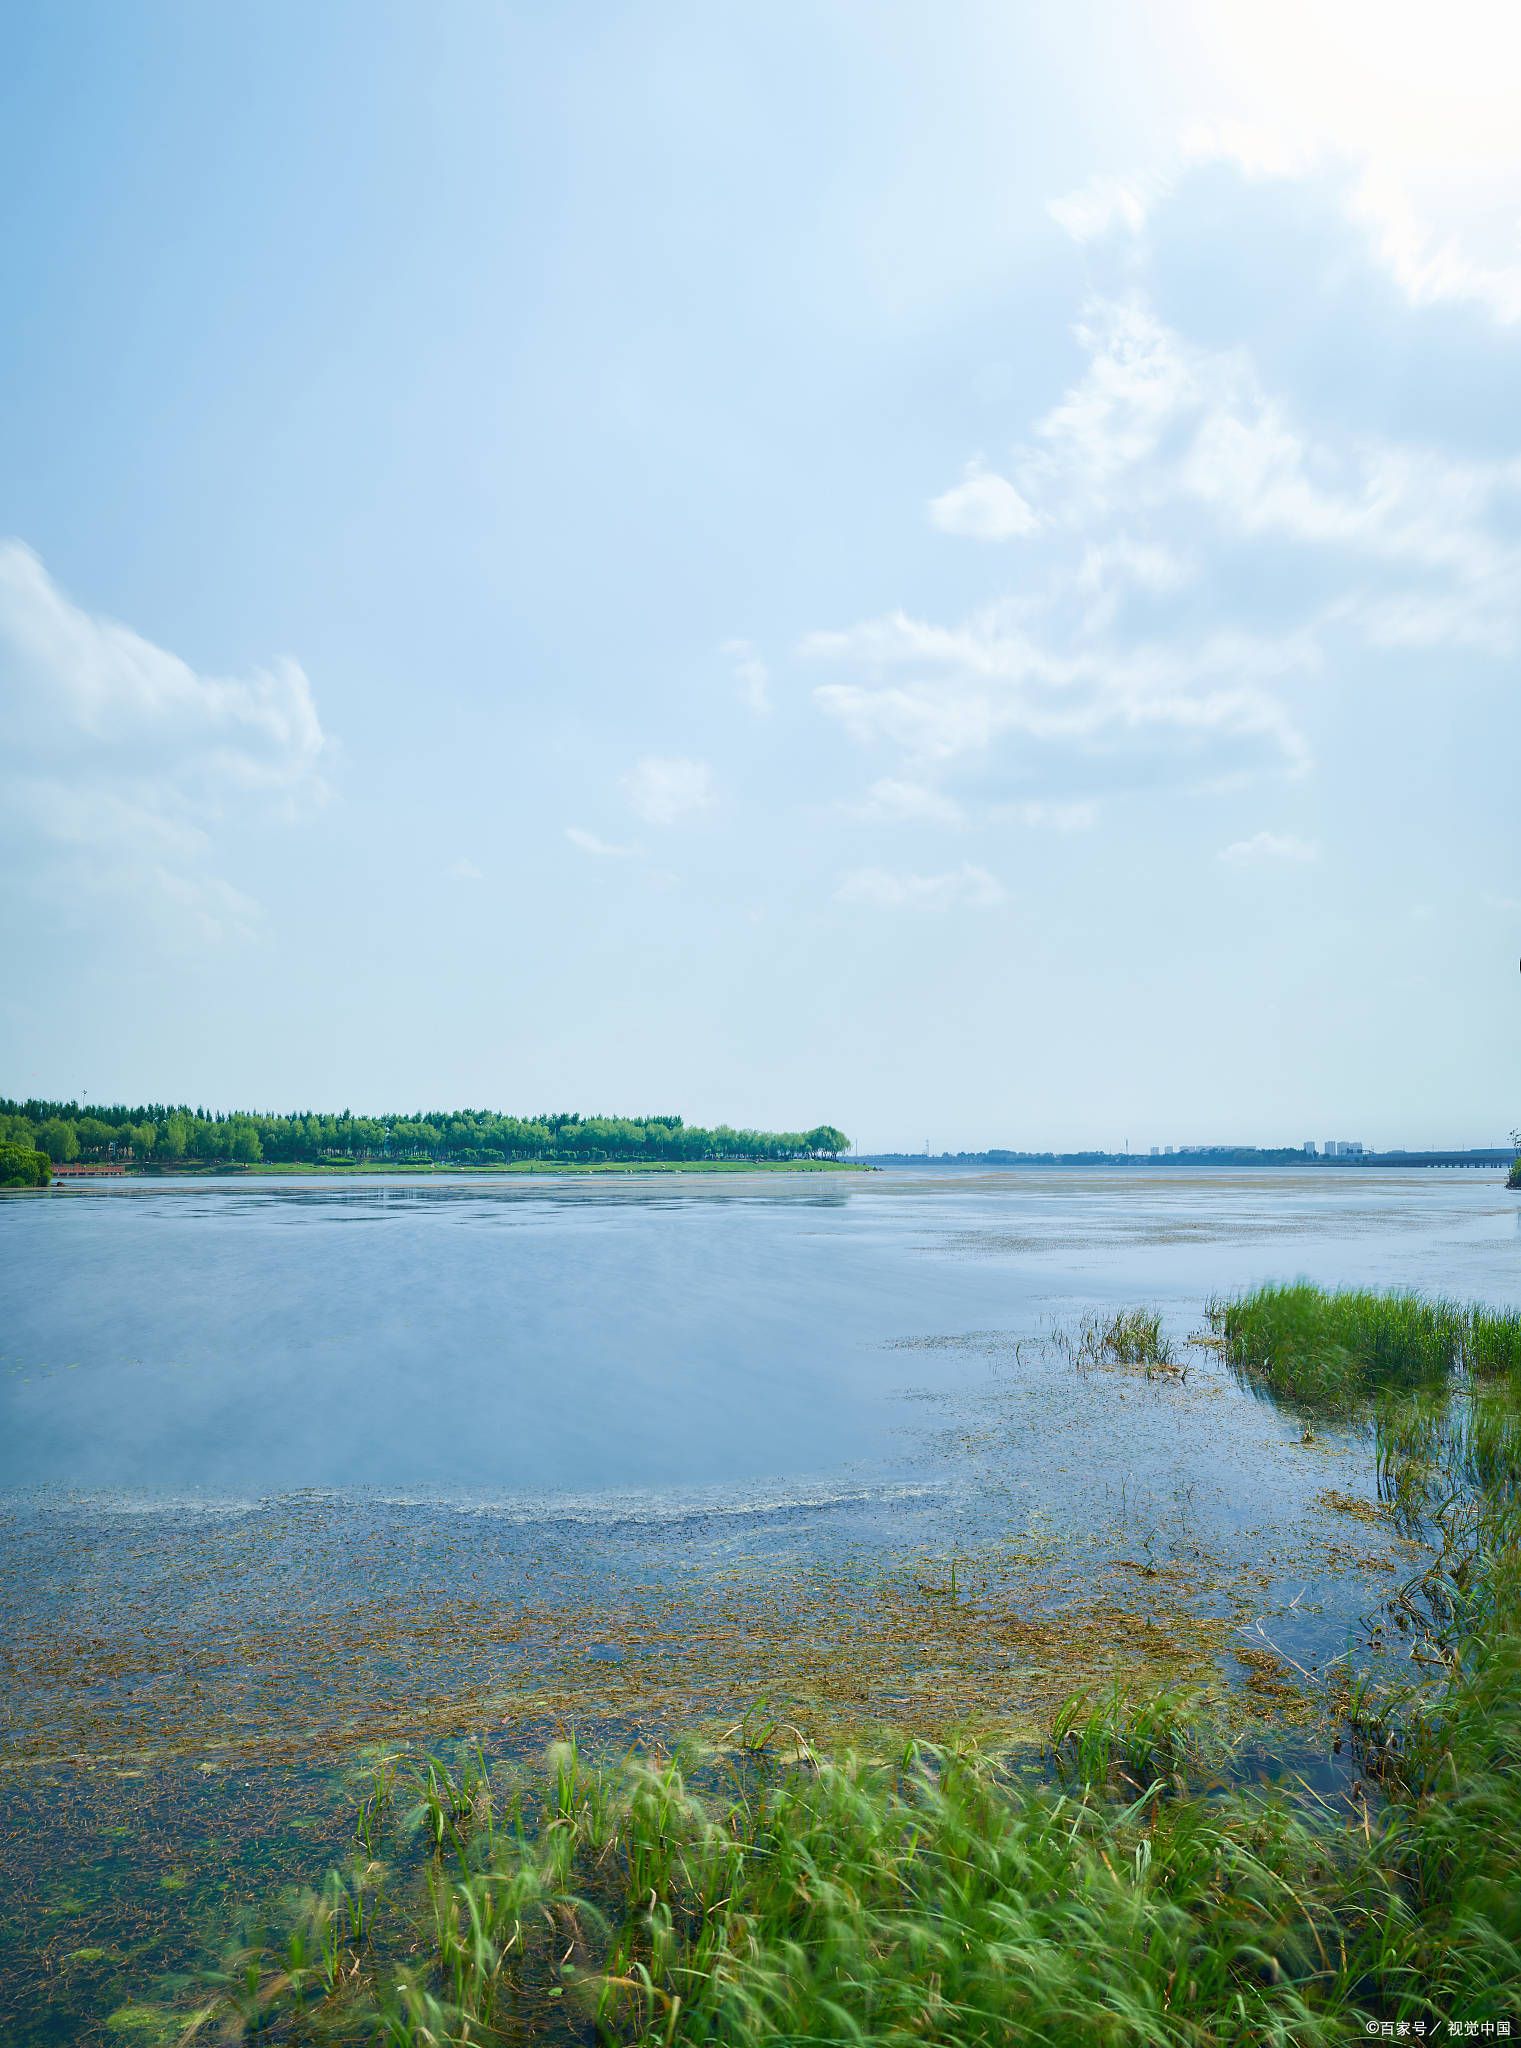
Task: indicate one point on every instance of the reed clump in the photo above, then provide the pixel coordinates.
(1128, 1337)
(1333, 1349)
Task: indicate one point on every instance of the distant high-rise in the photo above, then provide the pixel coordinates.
(1309, 1146)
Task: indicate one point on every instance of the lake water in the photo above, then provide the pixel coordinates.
(291, 1470)
(274, 1397)
(511, 1340)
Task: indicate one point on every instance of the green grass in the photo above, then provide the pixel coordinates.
(1333, 1350)
(936, 1898)
(1130, 1337)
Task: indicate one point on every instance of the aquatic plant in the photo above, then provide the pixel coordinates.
(1130, 1336)
(1331, 1349)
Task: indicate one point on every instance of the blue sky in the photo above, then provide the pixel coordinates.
(955, 570)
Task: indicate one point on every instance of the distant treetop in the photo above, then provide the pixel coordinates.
(162, 1132)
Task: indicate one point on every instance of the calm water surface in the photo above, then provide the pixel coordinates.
(492, 1340)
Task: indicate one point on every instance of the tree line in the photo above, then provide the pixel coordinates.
(159, 1133)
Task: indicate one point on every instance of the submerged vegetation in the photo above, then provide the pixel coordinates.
(1120, 1887)
(157, 1134)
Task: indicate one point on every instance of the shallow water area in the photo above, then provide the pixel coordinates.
(297, 1470)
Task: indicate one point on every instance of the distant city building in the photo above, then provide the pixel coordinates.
(1167, 1148)
(1156, 1151)
(1343, 1148)
(1309, 1146)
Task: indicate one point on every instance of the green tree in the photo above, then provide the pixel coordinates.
(825, 1138)
(171, 1138)
(23, 1166)
(58, 1140)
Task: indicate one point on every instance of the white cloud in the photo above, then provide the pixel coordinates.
(122, 762)
(983, 506)
(1269, 846)
(1105, 203)
(1054, 817)
(964, 688)
(1157, 426)
(465, 870)
(1411, 114)
(966, 887)
(890, 802)
(750, 673)
(664, 791)
(1169, 487)
(590, 843)
(1421, 108)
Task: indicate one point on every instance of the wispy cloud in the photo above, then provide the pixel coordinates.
(662, 791)
(1042, 815)
(750, 675)
(968, 887)
(1105, 203)
(465, 870)
(590, 843)
(1269, 846)
(897, 803)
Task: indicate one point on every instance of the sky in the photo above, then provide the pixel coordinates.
(954, 570)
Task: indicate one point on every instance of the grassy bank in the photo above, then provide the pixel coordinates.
(1124, 1886)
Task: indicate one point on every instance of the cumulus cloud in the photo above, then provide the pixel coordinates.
(590, 843)
(663, 791)
(465, 870)
(983, 506)
(750, 675)
(122, 762)
(1200, 556)
(1269, 846)
(966, 887)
